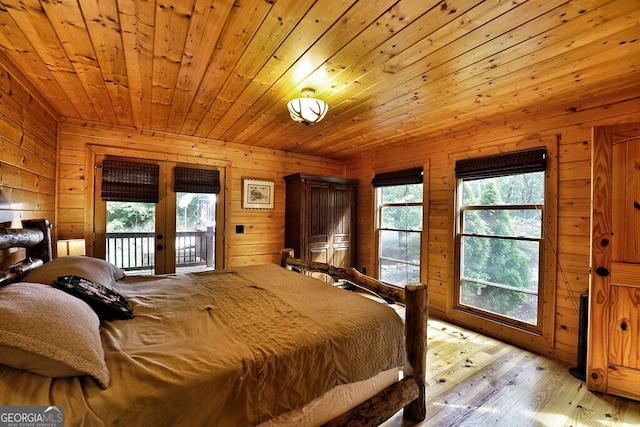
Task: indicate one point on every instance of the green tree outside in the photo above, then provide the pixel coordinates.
(130, 217)
(501, 260)
(476, 250)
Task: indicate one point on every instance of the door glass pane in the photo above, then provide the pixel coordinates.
(195, 231)
(130, 236)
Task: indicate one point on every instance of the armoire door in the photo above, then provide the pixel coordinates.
(343, 224)
(319, 215)
(613, 362)
(320, 218)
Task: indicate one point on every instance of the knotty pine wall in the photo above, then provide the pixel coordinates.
(263, 235)
(28, 134)
(568, 128)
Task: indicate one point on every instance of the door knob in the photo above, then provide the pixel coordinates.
(602, 272)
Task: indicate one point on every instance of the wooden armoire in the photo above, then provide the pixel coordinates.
(320, 218)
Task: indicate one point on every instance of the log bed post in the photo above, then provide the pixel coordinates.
(410, 393)
(284, 255)
(41, 250)
(20, 238)
(417, 312)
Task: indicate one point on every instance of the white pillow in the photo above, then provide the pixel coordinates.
(95, 269)
(49, 332)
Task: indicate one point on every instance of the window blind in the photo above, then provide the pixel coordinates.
(129, 181)
(191, 180)
(402, 177)
(519, 162)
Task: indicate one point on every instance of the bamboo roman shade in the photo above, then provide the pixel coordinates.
(402, 177)
(129, 181)
(190, 180)
(526, 161)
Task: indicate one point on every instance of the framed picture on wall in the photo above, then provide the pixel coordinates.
(257, 194)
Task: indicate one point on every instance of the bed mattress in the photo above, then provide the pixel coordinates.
(233, 347)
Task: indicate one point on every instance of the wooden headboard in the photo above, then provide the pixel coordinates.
(35, 237)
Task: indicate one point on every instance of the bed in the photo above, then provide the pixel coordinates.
(255, 345)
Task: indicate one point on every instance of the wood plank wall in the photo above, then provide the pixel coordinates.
(28, 134)
(263, 235)
(571, 128)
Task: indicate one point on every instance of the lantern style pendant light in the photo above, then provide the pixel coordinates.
(307, 110)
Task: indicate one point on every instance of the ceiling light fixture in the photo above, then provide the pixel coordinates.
(307, 109)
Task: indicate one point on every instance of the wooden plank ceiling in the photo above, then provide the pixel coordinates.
(390, 70)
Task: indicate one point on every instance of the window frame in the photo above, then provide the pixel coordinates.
(460, 234)
(391, 179)
(541, 340)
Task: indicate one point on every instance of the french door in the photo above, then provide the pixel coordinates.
(182, 231)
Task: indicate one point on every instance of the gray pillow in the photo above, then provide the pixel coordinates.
(51, 333)
(95, 269)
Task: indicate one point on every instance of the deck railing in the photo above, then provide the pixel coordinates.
(136, 251)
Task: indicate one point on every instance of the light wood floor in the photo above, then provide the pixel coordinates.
(477, 381)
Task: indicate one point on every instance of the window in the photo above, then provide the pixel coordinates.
(399, 225)
(500, 236)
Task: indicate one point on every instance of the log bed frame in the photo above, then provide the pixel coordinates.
(408, 393)
(35, 236)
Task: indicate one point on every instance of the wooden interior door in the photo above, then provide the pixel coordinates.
(613, 359)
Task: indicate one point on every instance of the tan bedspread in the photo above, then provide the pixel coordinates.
(229, 348)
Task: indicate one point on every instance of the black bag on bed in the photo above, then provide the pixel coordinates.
(107, 303)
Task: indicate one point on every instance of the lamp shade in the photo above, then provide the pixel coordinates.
(307, 110)
(71, 247)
